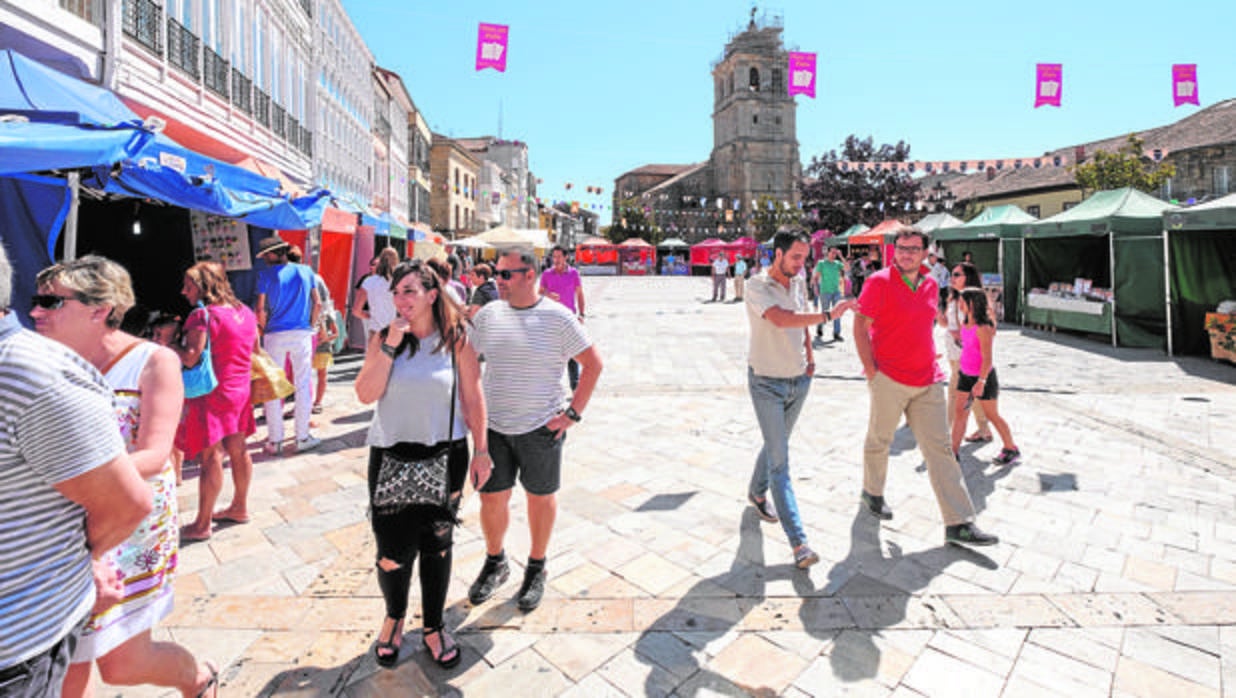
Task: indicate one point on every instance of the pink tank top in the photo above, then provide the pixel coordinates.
(971, 361)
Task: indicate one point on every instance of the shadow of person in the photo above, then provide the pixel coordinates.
(706, 612)
(877, 590)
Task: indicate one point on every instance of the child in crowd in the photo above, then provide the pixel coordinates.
(977, 380)
(164, 329)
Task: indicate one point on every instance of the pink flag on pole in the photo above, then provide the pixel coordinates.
(491, 42)
(802, 74)
(1047, 85)
(1184, 84)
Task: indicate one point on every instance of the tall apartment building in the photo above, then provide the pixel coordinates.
(454, 171)
(509, 188)
(402, 114)
(343, 143)
(420, 182)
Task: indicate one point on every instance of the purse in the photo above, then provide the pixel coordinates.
(404, 482)
(200, 378)
(267, 381)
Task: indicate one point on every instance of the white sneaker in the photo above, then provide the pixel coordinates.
(308, 443)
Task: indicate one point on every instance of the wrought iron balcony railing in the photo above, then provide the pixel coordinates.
(183, 49)
(139, 19)
(261, 107)
(278, 116)
(215, 72)
(242, 91)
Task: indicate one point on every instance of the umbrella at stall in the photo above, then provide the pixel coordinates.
(504, 236)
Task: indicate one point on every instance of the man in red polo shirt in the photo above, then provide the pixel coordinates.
(893, 337)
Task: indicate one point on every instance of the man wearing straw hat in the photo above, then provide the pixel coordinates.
(287, 311)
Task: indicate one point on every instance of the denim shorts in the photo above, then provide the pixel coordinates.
(991, 389)
(535, 457)
(42, 674)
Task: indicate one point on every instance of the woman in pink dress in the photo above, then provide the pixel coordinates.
(222, 419)
(81, 304)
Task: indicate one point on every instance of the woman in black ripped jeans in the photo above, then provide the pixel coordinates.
(424, 376)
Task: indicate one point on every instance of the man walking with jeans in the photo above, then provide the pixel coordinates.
(288, 308)
(827, 277)
(780, 366)
(893, 337)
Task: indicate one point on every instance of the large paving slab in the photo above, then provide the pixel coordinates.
(1116, 574)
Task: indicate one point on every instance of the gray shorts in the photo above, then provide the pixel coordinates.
(535, 457)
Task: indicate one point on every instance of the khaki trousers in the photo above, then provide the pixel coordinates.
(924, 409)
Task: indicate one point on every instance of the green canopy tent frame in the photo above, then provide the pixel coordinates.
(842, 239)
(1199, 259)
(1132, 223)
(994, 237)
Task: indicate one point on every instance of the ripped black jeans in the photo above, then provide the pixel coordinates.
(424, 530)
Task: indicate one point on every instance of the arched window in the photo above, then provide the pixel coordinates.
(778, 83)
(755, 80)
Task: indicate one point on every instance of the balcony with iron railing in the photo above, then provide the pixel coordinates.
(242, 92)
(278, 120)
(139, 19)
(215, 72)
(184, 49)
(306, 141)
(89, 10)
(261, 107)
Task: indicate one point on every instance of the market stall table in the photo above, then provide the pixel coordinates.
(1069, 313)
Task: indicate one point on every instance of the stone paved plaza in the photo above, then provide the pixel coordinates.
(1116, 572)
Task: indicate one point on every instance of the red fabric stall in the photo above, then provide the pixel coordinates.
(335, 254)
(596, 252)
(638, 257)
(701, 252)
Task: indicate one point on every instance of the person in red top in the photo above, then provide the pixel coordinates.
(893, 337)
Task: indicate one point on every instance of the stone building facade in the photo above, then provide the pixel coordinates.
(454, 172)
(755, 148)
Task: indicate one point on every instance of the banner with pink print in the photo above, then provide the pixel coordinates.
(1048, 84)
(1184, 84)
(491, 42)
(802, 74)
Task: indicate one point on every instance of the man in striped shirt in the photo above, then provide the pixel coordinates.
(69, 494)
(526, 340)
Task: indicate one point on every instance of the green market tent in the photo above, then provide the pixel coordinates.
(1201, 269)
(842, 239)
(994, 239)
(1114, 238)
(930, 223)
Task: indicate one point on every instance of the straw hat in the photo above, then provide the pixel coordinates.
(274, 243)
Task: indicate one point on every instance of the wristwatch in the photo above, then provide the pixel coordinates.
(572, 414)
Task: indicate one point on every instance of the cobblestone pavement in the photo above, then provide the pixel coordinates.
(1116, 572)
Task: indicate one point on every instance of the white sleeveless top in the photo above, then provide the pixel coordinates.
(416, 407)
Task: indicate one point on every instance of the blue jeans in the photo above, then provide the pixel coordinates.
(777, 404)
(827, 301)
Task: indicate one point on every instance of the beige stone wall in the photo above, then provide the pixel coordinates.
(447, 163)
(1049, 203)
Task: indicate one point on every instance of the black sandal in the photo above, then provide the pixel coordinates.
(450, 656)
(213, 682)
(389, 660)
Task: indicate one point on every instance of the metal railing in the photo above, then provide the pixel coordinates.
(183, 48)
(215, 71)
(261, 107)
(242, 91)
(306, 141)
(139, 19)
(278, 120)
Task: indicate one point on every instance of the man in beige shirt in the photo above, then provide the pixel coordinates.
(780, 367)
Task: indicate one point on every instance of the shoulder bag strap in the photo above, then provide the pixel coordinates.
(206, 309)
(454, 380)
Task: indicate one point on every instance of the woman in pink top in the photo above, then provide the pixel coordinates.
(223, 418)
(977, 379)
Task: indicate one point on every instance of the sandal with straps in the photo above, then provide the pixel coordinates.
(212, 684)
(449, 656)
(389, 646)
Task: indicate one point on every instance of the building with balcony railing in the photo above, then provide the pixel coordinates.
(343, 144)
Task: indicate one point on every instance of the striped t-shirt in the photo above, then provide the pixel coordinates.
(57, 423)
(526, 351)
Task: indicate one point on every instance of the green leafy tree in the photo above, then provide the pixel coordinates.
(633, 220)
(1127, 167)
(837, 198)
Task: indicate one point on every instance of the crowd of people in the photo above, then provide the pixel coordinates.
(471, 383)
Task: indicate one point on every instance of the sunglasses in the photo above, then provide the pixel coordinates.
(506, 274)
(957, 274)
(49, 301)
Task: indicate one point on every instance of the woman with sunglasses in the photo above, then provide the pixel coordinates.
(222, 419)
(421, 371)
(81, 304)
(964, 275)
(977, 381)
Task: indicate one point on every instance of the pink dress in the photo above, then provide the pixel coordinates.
(226, 409)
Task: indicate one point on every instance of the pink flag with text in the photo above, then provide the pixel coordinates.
(1184, 84)
(802, 74)
(1047, 84)
(491, 42)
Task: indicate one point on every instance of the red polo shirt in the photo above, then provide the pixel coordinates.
(901, 326)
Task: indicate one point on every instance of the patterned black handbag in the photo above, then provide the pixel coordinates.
(405, 482)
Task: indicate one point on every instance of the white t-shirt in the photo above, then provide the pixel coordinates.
(381, 302)
(526, 351)
(775, 352)
(720, 265)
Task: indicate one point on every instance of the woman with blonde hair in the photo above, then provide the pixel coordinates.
(375, 291)
(81, 304)
(222, 419)
(423, 373)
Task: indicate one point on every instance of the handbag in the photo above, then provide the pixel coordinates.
(200, 378)
(404, 482)
(267, 381)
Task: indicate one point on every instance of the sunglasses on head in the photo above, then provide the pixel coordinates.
(506, 274)
(49, 301)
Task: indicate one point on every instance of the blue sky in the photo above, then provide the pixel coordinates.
(599, 88)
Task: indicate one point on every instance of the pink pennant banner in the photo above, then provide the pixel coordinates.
(802, 74)
(1048, 84)
(491, 44)
(1184, 84)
